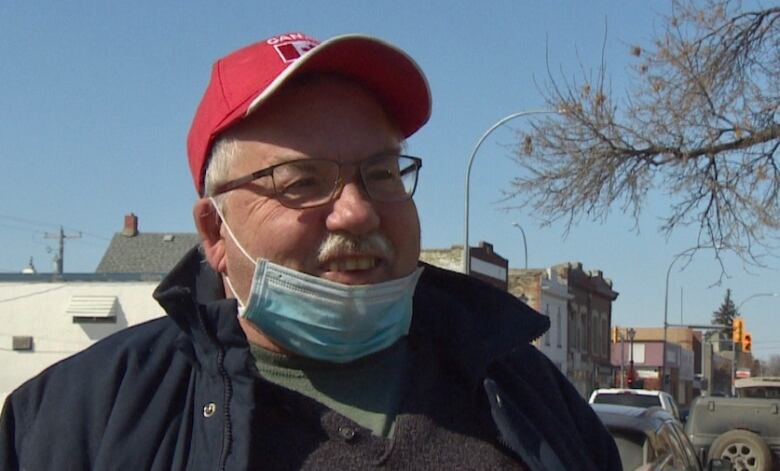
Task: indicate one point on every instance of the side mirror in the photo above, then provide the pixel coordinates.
(717, 464)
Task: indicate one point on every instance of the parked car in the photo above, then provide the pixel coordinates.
(651, 439)
(744, 430)
(636, 398)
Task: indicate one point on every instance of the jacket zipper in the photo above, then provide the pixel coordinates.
(228, 429)
(227, 438)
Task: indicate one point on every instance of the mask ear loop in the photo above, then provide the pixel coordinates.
(241, 304)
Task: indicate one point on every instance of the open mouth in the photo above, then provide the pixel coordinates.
(352, 264)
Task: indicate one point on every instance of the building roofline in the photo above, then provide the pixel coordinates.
(88, 277)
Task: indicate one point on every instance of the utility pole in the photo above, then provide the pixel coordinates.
(622, 359)
(737, 333)
(60, 236)
(631, 334)
(710, 360)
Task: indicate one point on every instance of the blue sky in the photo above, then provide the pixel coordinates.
(96, 100)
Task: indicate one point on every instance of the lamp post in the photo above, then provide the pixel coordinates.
(775, 295)
(631, 334)
(622, 339)
(525, 245)
(666, 312)
(466, 255)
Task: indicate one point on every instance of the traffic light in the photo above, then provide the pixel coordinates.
(737, 326)
(747, 342)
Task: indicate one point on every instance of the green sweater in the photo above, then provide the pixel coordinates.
(366, 391)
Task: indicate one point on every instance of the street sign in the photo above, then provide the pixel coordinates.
(743, 373)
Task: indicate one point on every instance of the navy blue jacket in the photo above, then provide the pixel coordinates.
(182, 392)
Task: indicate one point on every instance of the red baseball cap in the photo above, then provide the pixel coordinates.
(243, 80)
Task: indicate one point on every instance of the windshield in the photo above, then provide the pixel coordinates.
(628, 399)
(764, 392)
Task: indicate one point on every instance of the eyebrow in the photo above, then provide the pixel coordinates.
(293, 157)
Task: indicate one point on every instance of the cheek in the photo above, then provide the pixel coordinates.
(403, 230)
(291, 237)
(279, 234)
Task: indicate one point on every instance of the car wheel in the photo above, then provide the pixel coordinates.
(745, 450)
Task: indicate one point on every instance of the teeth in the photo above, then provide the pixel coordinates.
(352, 264)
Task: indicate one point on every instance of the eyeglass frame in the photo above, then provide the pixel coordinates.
(231, 185)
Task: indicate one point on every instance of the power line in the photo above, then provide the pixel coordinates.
(18, 228)
(34, 222)
(27, 295)
(27, 221)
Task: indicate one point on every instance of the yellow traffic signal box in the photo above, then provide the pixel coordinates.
(737, 328)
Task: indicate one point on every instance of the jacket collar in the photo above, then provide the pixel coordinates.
(193, 296)
(471, 322)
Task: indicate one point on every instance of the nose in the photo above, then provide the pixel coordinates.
(353, 211)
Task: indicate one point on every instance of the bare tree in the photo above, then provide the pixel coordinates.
(699, 123)
(772, 366)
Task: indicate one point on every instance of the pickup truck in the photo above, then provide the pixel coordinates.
(744, 430)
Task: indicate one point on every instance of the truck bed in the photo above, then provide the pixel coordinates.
(712, 416)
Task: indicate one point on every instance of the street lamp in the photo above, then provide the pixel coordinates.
(622, 339)
(666, 311)
(666, 315)
(756, 296)
(466, 257)
(666, 304)
(631, 333)
(525, 246)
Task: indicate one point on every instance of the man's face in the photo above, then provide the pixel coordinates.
(325, 118)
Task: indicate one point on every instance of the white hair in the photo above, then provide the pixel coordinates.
(221, 158)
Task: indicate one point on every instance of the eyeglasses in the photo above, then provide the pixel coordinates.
(307, 183)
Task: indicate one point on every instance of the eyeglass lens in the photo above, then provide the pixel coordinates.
(306, 183)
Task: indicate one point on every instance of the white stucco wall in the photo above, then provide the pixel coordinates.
(38, 309)
(555, 295)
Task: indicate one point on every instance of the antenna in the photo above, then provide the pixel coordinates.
(60, 257)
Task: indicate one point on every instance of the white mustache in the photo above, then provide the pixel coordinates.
(337, 244)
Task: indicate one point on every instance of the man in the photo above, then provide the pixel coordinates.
(303, 333)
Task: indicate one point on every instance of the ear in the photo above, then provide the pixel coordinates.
(208, 223)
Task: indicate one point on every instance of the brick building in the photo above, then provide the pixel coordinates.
(589, 321)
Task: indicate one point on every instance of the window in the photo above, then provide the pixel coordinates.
(671, 442)
(573, 339)
(547, 334)
(22, 343)
(558, 332)
(686, 446)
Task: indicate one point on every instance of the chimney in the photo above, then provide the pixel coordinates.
(487, 247)
(131, 225)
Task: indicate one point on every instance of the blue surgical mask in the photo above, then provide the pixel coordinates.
(324, 320)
